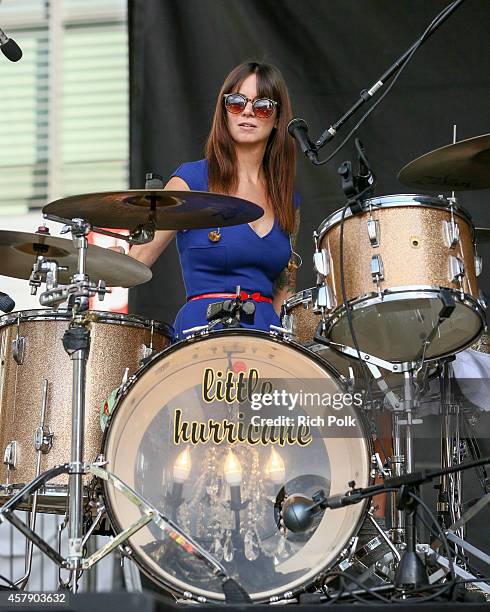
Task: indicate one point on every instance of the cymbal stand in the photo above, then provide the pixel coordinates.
(449, 502)
(76, 342)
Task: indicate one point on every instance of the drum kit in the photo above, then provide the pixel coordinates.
(196, 502)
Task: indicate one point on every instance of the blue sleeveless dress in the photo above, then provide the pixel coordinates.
(240, 257)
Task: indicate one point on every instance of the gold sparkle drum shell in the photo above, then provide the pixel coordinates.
(399, 252)
(34, 368)
(191, 479)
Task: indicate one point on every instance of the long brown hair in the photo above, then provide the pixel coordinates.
(280, 153)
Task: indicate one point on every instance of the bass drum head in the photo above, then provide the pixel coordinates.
(193, 482)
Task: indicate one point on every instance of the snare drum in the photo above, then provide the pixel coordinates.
(399, 252)
(301, 316)
(182, 437)
(36, 370)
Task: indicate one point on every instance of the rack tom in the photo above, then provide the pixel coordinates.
(36, 378)
(301, 315)
(400, 253)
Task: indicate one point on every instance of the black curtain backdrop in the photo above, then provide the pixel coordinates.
(328, 51)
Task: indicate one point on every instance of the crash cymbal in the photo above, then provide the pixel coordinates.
(461, 166)
(176, 210)
(18, 251)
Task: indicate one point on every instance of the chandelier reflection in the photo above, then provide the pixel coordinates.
(229, 501)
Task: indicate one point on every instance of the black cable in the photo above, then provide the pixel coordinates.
(365, 371)
(355, 579)
(338, 594)
(11, 584)
(440, 532)
(441, 15)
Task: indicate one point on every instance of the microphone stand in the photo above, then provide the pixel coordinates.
(411, 571)
(367, 94)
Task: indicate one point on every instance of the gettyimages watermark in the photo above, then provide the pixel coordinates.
(245, 407)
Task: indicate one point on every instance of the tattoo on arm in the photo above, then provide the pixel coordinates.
(287, 279)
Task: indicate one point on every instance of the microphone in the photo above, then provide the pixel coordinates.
(9, 47)
(7, 304)
(299, 511)
(298, 129)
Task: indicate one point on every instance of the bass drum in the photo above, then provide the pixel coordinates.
(193, 441)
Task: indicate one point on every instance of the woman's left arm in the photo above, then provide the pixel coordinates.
(285, 284)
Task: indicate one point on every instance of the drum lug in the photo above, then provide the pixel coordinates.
(377, 270)
(287, 323)
(451, 233)
(43, 439)
(373, 232)
(481, 299)
(10, 455)
(456, 269)
(478, 264)
(18, 349)
(321, 263)
(322, 298)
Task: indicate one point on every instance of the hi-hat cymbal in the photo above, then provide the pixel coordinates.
(174, 210)
(18, 251)
(461, 166)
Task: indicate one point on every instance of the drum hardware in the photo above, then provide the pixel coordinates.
(75, 562)
(448, 307)
(444, 563)
(403, 418)
(373, 231)
(357, 186)
(230, 312)
(18, 345)
(45, 271)
(10, 457)
(451, 231)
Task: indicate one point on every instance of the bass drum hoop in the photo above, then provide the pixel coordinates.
(196, 595)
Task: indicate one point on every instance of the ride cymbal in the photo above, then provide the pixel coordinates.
(462, 166)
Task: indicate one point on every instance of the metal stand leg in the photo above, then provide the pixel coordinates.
(397, 516)
(76, 342)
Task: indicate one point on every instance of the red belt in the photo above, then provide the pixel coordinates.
(256, 297)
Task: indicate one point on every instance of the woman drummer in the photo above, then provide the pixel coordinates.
(249, 155)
